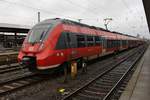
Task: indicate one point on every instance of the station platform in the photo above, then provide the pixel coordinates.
(9, 53)
(138, 87)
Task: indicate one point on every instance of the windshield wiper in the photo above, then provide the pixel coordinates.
(42, 36)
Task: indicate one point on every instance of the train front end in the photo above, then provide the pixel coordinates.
(37, 48)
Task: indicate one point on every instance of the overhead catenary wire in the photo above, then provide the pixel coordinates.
(27, 6)
(92, 14)
(134, 16)
(51, 12)
(45, 11)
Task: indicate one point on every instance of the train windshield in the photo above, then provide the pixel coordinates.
(39, 33)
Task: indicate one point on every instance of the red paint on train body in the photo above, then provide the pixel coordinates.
(45, 46)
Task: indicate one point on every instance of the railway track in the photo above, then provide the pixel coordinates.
(7, 50)
(8, 58)
(9, 85)
(104, 85)
(10, 68)
(19, 83)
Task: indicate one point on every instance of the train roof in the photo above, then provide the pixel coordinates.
(66, 21)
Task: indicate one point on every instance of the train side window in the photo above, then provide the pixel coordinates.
(97, 41)
(119, 43)
(123, 42)
(112, 43)
(115, 43)
(104, 42)
(100, 40)
(61, 43)
(90, 41)
(108, 44)
(80, 40)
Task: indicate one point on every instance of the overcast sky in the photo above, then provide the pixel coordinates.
(128, 15)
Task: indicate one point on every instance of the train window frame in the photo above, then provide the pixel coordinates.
(71, 40)
(104, 42)
(90, 40)
(39, 33)
(61, 42)
(81, 43)
(97, 40)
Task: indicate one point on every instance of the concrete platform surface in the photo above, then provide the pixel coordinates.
(8, 53)
(139, 86)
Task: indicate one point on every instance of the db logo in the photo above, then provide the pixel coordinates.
(31, 49)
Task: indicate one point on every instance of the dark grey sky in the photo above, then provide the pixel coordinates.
(128, 15)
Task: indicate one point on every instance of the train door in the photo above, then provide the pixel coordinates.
(118, 45)
(71, 45)
(121, 44)
(104, 45)
(127, 44)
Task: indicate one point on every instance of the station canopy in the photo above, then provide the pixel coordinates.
(13, 28)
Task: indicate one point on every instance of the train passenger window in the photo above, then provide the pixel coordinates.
(112, 43)
(115, 43)
(61, 43)
(81, 41)
(118, 43)
(104, 42)
(123, 42)
(108, 43)
(97, 40)
(90, 41)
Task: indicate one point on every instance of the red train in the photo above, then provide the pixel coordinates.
(55, 42)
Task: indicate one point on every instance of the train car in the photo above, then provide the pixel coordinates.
(55, 42)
